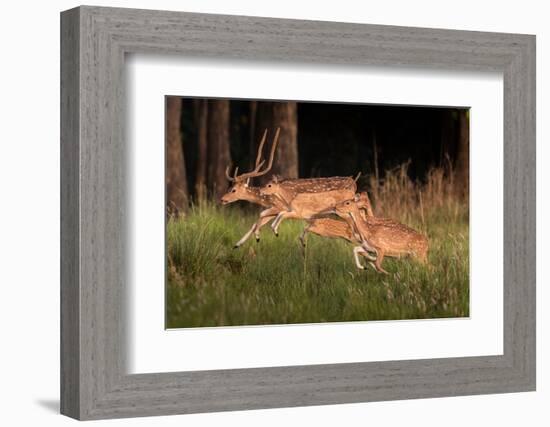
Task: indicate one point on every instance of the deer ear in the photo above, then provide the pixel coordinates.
(357, 197)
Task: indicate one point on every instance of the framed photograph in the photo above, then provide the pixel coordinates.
(407, 166)
(261, 213)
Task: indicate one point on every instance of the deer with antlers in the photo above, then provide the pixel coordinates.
(384, 237)
(242, 190)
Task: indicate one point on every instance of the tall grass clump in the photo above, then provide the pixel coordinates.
(276, 281)
(438, 198)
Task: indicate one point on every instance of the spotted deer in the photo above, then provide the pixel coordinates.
(304, 198)
(242, 190)
(339, 228)
(384, 237)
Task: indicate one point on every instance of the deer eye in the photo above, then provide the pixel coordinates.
(234, 190)
(269, 185)
(347, 203)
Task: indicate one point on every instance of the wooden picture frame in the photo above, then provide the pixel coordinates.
(94, 382)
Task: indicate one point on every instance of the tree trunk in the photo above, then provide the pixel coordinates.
(463, 152)
(202, 149)
(176, 180)
(270, 116)
(219, 155)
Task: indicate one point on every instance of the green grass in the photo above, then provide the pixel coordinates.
(274, 282)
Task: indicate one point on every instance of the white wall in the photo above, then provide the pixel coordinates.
(29, 225)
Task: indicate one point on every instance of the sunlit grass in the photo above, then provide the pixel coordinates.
(274, 282)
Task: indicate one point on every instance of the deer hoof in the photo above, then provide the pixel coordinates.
(257, 239)
(236, 247)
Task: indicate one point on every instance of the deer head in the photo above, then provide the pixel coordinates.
(348, 208)
(240, 188)
(272, 187)
(343, 209)
(363, 202)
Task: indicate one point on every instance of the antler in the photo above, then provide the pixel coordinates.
(259, 163)
(257, 172)
(229, 177)
(260, 149)
(272, 154)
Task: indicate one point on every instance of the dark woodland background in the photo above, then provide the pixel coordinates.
(204, 136)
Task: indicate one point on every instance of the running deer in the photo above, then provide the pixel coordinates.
(304, 198)
(385, 237)
(241, 190)
(339, 228)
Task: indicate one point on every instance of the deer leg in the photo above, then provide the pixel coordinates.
(370, 258)
(378, 262)
(245, 237)
(303, 235)
(280, 216)
(283, 215)
(359, 250)
(259, 224)
(367, 248)
(265, 216)
(276, 222)
(367, 255)
(356, 251)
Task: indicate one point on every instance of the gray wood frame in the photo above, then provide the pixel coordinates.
(94, 383)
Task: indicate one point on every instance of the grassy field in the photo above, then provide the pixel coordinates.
(274, 282)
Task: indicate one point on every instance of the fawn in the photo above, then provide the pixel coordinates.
(385, 237)
(305, 198)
